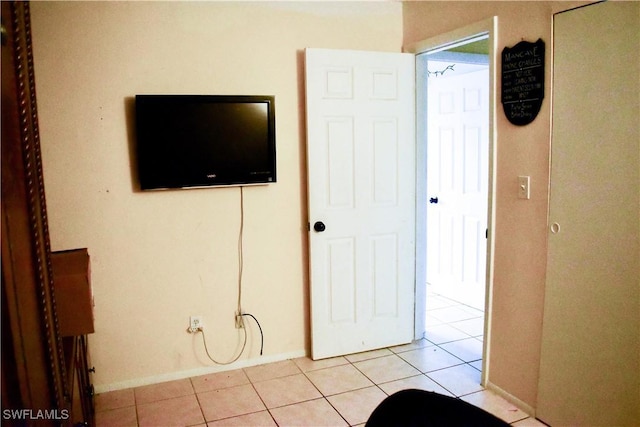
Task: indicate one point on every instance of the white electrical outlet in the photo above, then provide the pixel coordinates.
(239, 322)
(195, 324)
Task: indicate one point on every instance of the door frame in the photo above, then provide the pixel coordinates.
(487, 27)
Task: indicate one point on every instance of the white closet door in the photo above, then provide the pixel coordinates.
(590, 360)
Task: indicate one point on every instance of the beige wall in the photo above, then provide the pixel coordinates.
(159, 257)
(520, 225)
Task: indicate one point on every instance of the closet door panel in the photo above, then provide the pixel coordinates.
(590, 359)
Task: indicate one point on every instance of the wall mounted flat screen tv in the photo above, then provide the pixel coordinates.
(185, 141)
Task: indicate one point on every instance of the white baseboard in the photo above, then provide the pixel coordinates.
(530, 410)
(137, 382)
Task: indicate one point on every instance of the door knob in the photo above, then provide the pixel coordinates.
(433, 200)
(319, 226)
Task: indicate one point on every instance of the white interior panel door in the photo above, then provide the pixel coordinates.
(590, 356)
(361, 178)
(457, 185)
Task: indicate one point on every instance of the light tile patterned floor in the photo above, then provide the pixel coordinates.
(341, 391)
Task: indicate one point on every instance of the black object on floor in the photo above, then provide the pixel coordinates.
(420, 408)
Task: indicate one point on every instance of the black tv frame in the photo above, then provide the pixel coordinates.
(177, 135)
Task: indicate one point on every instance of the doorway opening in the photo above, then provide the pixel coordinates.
(457, 182)
(455, 84)
(457, 173)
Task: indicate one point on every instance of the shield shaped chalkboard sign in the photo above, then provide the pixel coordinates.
(523, 81)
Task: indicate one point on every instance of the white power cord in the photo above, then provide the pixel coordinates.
(239, 311)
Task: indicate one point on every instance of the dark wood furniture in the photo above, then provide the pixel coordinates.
(74, 304)
(74, 299)
(37, 360)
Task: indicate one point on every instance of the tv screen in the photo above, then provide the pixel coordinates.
(186, 141)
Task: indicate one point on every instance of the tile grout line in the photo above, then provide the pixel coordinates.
(322, 394)
(204, 417)
(261, 400)
(376, 384)
(481, 339)
(452, 303)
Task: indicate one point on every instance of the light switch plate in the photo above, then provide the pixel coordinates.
(524, 187)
